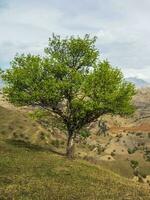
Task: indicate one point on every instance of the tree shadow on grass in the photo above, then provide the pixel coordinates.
(33, 147)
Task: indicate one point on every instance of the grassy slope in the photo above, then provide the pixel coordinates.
(32, 173)
(28, 172)
(15, 122)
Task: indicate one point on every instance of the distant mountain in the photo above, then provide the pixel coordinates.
(138, 82)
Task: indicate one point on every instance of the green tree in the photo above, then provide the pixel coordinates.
(70, 80)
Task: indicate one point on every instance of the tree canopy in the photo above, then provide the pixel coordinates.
(72, 81)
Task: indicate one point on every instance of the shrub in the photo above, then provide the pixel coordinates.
(37, 114)
(139, 134)
(85, 133)
(143, 174)
(131, 151)
(134, 164)
(135, 173)
(100, 149)
(42, 135)
(112, 154)
(15, 135)
(147, 155)
(92, 147)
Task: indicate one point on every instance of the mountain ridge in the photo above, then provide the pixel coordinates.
(139, 83)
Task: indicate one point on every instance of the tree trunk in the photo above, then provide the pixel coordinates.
(70, 151)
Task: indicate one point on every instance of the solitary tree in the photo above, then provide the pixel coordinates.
(71, 81)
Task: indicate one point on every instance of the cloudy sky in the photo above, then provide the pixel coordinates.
(122, 27)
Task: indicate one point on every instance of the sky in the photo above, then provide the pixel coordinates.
(121, 26)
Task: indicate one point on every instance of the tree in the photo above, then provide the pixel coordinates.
(72, 81)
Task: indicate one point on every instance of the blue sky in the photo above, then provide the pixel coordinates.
(122, 28)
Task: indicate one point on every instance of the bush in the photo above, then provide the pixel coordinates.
(37, 114)
(119, 135)
(147, 155)
(135, 173)
(15, 135)
(92, 147)
(131, 151)
(112, 154)
(143, 174)
(42, 135)
(139, 134)
(100, 149)
(134, 164)
(85, 133)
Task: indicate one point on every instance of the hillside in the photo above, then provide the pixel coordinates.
(29, 169)
(31, 172)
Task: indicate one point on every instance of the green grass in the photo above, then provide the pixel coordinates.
(28, 173)
(14, 122)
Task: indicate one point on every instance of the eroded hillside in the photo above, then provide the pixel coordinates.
(127, 139)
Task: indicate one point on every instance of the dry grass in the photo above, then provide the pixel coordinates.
(28, 172)
(31, 172)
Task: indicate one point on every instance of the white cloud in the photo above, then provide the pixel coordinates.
(122, 28)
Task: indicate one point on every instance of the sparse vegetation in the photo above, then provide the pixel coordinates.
(112, 154)
(100, 149)
(85, 133)
(133, 150)
(27, 169)
(134, 163)
(147, 154)
(139, 134)
(30, 172)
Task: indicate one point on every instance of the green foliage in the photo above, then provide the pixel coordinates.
(133, 150)
(134, 164)
(71, 80)
(37, 114)
(147, 154)
(84, 133)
